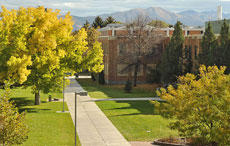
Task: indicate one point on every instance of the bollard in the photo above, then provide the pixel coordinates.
(50, 98)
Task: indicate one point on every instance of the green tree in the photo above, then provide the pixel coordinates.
(13, 130)
(222, 51)
(128, 86)
(92, 38)
(188, 62)
(86, 25)
(110, 20)
(199, 106)
(172, 61)
(208, 45)
(98, 22)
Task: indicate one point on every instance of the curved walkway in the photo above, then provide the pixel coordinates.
(93, 127)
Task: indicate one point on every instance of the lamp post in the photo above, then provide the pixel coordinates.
(63, 92)
(75, 118)
(83, 93)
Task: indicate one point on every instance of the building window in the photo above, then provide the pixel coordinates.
(140, 71)
(188, 32)
(121, 49)
(155, 50)
(123, 70)
(201, 32)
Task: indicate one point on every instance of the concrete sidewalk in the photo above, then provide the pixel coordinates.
(93, 127)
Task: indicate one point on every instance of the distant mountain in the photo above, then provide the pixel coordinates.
(188, 12)
(189, 17)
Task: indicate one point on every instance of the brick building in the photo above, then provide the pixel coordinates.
(112, 45)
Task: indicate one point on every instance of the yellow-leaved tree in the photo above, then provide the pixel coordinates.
(200, 106)
(37, 48)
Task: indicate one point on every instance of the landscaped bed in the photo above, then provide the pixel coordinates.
(136, 120)
(46, 127)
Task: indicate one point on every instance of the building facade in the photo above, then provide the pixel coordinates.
(112, 44)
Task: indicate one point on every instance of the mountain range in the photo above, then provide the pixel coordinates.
(189, 17)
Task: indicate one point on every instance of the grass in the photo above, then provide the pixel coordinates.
(47, 128)
(117, 91)
(136, 120)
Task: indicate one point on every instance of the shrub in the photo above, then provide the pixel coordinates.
(200, 105)
(154, 76)
(13, 130)
(101, 78)
(128, 86)
(93, 76)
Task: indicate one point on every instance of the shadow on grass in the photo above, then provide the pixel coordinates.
(112, 92)
(22, 102)
(142, 107)
(134, 108)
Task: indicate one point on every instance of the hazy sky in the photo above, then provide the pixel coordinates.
(96, 7)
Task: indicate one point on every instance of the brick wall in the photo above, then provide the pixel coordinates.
(113, 65)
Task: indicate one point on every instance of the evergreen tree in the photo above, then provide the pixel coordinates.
(172, 61)
(128, 86)
(208, 45)
(98, 22)
(222, 52)
(109, 20)
(224, 35)
(86, 25)
(188, 62)
(101, 78)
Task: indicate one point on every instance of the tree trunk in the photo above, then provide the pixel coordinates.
(37, 98)
(135, 75)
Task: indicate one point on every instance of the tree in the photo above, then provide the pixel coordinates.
(208, 45)
(39, 48)
(159, 24)
(139, 43)
(110, 20)
(172, 64)
(98, 22)
(223, 50)
(86, 25)
(128, 86)
(199, 106)
(13, 130)
(92, 38)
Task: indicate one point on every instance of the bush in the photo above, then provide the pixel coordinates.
(128, 86)
(101, 78)
(199, 105)
(93, 76)
(154, 76)
(13, 130)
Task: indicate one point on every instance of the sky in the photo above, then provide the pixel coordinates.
(97, 7)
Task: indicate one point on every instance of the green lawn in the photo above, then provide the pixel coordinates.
(136, 120)
(114, 91)
(47, 128)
